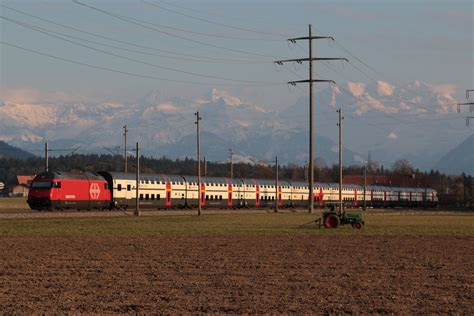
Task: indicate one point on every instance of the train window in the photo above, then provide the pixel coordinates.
(57, 185)
(147, 196)
(119, 187)
(141, 196)
(106, 186)
(129, 187)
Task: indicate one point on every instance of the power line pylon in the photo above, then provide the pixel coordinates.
(310, 59)
(471, 107)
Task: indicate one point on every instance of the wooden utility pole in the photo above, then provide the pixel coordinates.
(310, 59)
(365, 186)
(231, 154)
(205, 166)
(276, 184)
(46, 162)
(137, 182)
(125, 131)
(198, 141)
(339, 111)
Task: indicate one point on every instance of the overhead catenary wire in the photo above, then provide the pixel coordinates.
(134, 50)
(118, 71)
(212, 22)
(203, 58)
(144, 25)
(29, 26)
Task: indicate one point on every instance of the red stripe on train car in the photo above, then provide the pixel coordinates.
(355, 198)
(168, 193)
(229, 194)
(279, 196)
(257, 195)
(202, 200)
(321, 197)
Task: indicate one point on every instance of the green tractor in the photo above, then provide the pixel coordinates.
(332, 219)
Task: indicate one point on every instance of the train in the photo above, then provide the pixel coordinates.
(106, 190)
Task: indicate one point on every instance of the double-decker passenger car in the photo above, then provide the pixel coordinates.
(157, 191)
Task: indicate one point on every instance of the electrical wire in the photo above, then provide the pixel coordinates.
(209, 21)
(115, 70)
(29, 26)
(198, 57)
(143, 24)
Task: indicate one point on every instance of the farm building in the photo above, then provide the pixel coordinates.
(23, 186)
(20, 190)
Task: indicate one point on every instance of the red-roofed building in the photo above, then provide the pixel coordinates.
(24, 179)
(23, 186)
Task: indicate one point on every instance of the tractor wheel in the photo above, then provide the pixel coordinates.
(357, 225)
(331, 221)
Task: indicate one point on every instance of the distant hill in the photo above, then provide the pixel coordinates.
(8, 151)
(460, 159)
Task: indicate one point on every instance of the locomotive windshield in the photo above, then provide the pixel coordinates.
(40, 185)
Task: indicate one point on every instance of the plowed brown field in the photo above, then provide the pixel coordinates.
(237, 274)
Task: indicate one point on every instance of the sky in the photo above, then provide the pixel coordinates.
(121, 50)
(403, 40)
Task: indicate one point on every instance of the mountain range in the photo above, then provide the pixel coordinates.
(378, 117)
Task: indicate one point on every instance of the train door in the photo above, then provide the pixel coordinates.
(127, 188)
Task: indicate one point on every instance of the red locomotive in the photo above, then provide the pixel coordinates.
(64, 190)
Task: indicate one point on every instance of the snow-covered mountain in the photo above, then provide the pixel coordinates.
(389, 122)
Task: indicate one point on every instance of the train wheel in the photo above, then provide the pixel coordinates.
(331, 221)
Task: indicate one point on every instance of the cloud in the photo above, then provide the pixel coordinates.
(356, 88)
(384, 88)
(392, 135)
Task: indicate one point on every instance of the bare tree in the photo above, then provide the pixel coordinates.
(403, 167)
